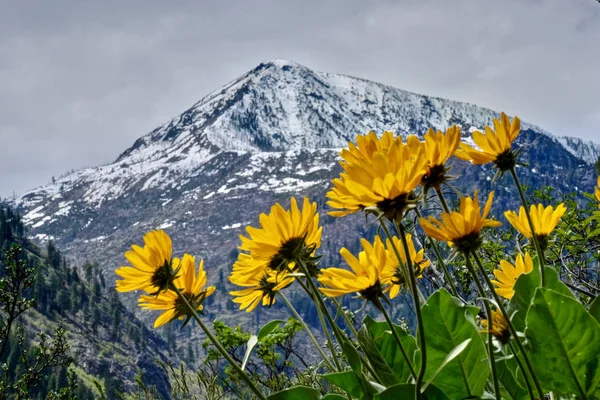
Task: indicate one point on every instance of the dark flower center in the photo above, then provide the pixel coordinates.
(288, 252)
(372, 293)
(435, 177)
(469, 243)
(506, 160)
(394, 209)
(268, 289)
(162, 277)
(543, 241)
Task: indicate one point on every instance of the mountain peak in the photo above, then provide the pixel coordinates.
(281, 63)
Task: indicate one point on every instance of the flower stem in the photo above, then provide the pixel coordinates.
(396, 337)
(218, 344)
(415, 295)
(315, 294)
(512, 329)
(346, 318)
(534, 237)
(323, 324)
(520, 364)
(440, 261)
(440, 196)
(488, 313)
(308, 332)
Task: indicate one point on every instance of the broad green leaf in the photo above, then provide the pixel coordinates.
(406, 391)
(297, 393)
(333, 396)
(381, 349)
(510, 386)
(249, 346)
(268, 328)
(352, 356)
(353, 384)
(449, 323)
(595, 308)
(451, 356)
(525, 289)
(565, 344)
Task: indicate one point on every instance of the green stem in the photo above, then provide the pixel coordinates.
(324, 325)
(415, 295)
(440, 196)
(512, 329)
(520, 364)
(397, 338)
(218, 344)
(346, 318)
(316, 295)
(534, 237)
(308, 332)
(440, 261)
(488, 313)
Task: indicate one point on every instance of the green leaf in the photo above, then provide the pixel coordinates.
(510, 387)
(249, 346)
(297, 393)
(565, 343)
(268, 328)
(406, 391)
(333, 396)
(525, 289)
(351, 383)
(449, 323)
(595, 308)
(352, 356)
(381, 349)
(451, 356)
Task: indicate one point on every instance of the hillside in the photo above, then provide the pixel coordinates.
(107, 342)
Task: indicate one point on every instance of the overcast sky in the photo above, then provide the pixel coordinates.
(81, 80)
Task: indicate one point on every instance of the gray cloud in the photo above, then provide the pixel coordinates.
(81, 80)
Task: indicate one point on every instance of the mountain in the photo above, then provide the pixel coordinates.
(271, 133)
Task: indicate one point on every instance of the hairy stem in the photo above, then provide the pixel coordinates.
(512, 329)
(218, 345)
(488, 313)
(308, 332)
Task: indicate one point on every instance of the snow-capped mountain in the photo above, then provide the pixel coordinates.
(272, 133)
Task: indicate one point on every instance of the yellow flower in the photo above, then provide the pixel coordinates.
(598, 190)
(439, 147)
(495, 144)
(366, 274)
(544, 221)
(191, 285)
(393, 274)
(508, 274)
(461, 229)
(500, 328)
(285, 236)
(378, 173)
(260, 288)
(151, 265)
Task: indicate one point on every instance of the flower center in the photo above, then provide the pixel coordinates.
(506, 160)
(435, 177)
(468, 243)
(268, 289)
(289, 252)
(394, 209)
(543, 241)
(162, 276)
(372, 292)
